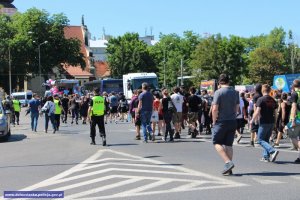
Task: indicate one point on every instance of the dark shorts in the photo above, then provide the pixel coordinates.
(254, 128)
(138, 121)
(123, 110)
(114, 109)
(240, 123)
(223, 132)
(160, 117)
(192, 117)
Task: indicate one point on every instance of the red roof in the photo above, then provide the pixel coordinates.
(102, 69)
(77, 71)
(77, 32)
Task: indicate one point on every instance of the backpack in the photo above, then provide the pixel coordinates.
(124, 104)
(209, 100)
(171, 106)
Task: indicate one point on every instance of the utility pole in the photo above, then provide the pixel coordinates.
(40, 68)
(164, 67)
(181, 67)
(9, 70)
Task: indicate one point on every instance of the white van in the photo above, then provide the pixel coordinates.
(23, 97)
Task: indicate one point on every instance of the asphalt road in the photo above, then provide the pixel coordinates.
(130, 169)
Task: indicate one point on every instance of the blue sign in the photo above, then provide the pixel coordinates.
(284, 82)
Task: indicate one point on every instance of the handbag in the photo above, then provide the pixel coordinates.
(154, 116)
(293, 132)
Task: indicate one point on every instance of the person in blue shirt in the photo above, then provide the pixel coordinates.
(34, 106)
(145, 108)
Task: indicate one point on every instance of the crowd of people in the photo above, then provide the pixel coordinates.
(225, 114)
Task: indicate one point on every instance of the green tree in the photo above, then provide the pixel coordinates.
(128, 54)
(167, 55)
(216, 54)
(264, 64)
(26, 31)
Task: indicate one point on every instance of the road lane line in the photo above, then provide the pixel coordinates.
(127, 164)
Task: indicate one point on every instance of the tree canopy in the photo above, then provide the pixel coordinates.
(128, 54)
(23, 34)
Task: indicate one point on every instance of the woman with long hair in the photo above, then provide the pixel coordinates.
(49, 110)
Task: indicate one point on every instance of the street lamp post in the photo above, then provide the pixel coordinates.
(181, 70)
(164, 67)
(9, 69)
(40, 70)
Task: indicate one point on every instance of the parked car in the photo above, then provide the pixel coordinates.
(4, 124)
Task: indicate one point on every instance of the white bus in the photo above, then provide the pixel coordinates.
(23, 97)
(133, 81)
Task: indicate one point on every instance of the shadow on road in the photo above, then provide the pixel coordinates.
(15, 138)
(152, 156)
(268, 174)
(123, 144)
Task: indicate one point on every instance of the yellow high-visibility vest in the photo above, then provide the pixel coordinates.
(16, 104)
(57, 107)
(98, 106)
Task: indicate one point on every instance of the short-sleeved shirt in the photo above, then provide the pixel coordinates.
(294, 97)
(147, 101)
(34, 105)
(177, 100)
(194, 102)
(240, 114)
(65, 102)
(256, 97)
(267, 112)
(113, 101)
(227, 99)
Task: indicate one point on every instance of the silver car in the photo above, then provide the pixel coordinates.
(4, 124)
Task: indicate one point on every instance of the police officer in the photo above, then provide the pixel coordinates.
(96, 116)
(17, 110)
(58, 110)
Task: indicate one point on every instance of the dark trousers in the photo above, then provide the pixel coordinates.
(207, 121)
(57, 121)
(168, 119)
(65, 114)
(97, 120)
(50, 118)
(16, 117)
(75, 115)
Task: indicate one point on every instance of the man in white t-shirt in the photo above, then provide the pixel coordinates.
(177, 100)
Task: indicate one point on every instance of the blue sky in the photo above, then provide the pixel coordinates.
(237, 17)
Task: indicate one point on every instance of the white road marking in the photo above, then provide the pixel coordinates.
(102, 188)
(65, 173)
(296, 177)
(190, 180)
(126, 164)
(143, 188)
(115, 159)
(267, 182)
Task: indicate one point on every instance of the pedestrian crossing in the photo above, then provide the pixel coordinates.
(111, 174)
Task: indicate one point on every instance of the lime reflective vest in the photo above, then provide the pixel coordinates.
(98, 106)
(57, 107)
(298, 103)
(16, 104)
